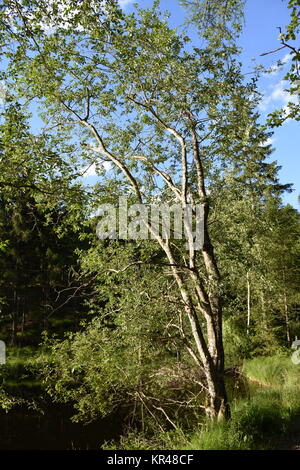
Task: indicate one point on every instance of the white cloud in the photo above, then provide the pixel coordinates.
(107, 166)
(276, 68)
(273, 70)
(286, 58)
(264, 103)
(269, 141)
(279, 93)
(90, 170)
(279, 97)
(124, 3)
(95, 168)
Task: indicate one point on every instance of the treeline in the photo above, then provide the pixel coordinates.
(38, 262)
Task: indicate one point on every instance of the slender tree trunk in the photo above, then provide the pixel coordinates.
(210, 301)
(287, 320)
(286, 311)
(211, 362)
(24, 305)
(13, 329)
(248, 303)
(14, 318)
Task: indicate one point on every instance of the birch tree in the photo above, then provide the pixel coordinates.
(163, 113)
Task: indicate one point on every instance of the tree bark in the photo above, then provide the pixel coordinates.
(287, 320)
(248, 303)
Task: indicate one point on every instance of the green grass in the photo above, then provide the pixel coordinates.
(254, 425)
(256, 422)
(17, 370)
(272, 371)
(19, 383)
(259, 420)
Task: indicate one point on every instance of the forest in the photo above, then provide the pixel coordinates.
(119, 330)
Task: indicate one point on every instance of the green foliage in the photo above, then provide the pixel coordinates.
(18, 379)
(38, 227)
(7, 402)
(130, 355)
(237, 345)
(217, 20)
(289, 39)
(257, 422)
(257, 242)
(294, 26)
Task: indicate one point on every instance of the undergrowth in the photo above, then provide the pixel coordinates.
(256, 421)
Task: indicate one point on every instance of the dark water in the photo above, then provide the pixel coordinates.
(237, 386)
(53, 430)
(22, 428)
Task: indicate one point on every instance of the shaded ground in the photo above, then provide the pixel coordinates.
(290, 441)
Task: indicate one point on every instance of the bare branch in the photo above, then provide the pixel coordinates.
(272, 52)
(136, 263)
(161, 173)
(178, 137)
(114, 159)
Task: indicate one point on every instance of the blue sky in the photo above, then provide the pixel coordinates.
(261, 35)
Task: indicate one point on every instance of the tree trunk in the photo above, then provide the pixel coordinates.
(287, 320)
(14, 318)
(248, 303)
(210, 353)
(13, 329)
